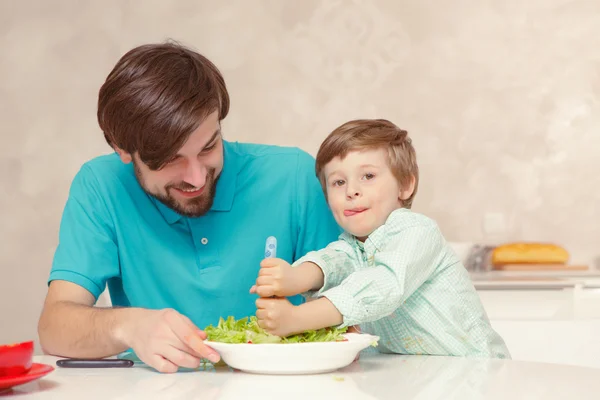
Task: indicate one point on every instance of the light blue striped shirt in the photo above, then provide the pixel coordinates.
(406, 285)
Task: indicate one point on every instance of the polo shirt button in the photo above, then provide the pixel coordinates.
(204, 241)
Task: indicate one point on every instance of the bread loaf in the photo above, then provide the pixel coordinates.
(529, 253)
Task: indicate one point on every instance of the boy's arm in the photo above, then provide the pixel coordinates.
(335, 262)
(317, 314)
(308, 276)
(279, 317)
(397, 272)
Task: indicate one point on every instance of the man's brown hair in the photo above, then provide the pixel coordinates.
(155, 97)
(369, 134)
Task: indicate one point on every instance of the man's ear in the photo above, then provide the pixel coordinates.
(407, 190)
(125, 156)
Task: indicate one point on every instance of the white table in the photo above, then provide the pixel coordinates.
(373, 377)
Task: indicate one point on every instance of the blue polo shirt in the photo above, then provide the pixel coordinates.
(113, 233)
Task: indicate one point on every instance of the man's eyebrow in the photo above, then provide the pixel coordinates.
(212, 138)
(210, 141)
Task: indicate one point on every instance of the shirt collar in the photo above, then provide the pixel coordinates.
(379, 237)
(225, 190)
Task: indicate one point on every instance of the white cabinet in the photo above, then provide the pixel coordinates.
(555, 326)
(572, 342)
(528, 304)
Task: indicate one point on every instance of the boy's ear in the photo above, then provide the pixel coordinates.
(125, 156)
(407, 190)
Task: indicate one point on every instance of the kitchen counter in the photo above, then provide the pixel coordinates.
(536, 279)
(372, 377)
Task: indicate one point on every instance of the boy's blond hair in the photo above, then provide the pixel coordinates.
(369, 134)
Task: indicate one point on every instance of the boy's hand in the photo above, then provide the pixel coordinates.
(277, 278)
(278, 317)
(353, 329)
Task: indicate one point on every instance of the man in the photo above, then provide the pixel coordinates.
(175, 221)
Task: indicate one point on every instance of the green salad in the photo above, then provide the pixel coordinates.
(246, 330)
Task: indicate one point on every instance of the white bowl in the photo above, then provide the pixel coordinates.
(293, 358)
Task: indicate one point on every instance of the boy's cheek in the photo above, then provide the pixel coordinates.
(335, 205)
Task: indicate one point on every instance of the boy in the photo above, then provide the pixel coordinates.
(391, 272)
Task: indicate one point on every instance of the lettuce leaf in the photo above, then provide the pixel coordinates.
(246, 330)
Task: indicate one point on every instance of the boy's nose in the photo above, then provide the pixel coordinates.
(352, 193)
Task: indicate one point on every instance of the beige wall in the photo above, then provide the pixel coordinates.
(501, 98)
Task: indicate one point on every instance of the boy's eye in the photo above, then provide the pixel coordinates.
(369, 176)
(338, 182)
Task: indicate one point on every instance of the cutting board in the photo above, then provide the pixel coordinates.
(540, 267)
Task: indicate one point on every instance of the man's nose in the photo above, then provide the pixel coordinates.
(195, 174)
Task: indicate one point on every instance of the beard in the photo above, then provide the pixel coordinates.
(194, 207)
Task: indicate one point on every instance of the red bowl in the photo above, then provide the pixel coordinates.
(16, 359)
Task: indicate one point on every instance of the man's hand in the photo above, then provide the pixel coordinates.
(277, 316)
(166, 340)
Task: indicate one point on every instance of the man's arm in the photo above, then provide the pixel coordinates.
(71, 327)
